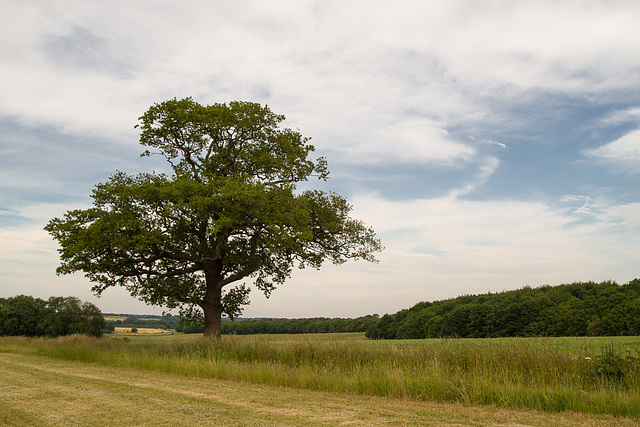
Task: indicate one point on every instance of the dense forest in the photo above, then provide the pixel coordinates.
(28, 316)
(578, 309)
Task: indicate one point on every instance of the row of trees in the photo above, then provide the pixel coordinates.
(251, 326)
(317, 325)
(578, 309)
(28, 316)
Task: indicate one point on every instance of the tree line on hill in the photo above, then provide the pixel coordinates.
(28, 316)
(243, 326)
(318, 325)
(577, 309)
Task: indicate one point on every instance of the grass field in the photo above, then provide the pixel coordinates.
(540, 381)
(50, 392)
(116, 318)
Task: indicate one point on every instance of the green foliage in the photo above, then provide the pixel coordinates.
(229, 213)
(28, 316)
(190, 329)
(613, 367)
(577, 309)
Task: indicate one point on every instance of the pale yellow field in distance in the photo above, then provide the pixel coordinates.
(115, 318)
(144, 330)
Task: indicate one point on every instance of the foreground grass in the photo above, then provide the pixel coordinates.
(553, 375)
(43, 391)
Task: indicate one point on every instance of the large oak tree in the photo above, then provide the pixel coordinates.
(229, 213)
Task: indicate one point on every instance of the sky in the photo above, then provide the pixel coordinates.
(492, 145)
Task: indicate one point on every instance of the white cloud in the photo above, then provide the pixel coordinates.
(411, 141)
(623, 154)
(561, 46)
(499, 144)
(628, 115)
(329, 65)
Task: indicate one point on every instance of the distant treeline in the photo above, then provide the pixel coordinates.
(28, 316)
(152, 321)
(318, 325)
(242, 326)
(143, 321)
(578, 309)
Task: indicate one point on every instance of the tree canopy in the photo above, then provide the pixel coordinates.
(577, 309)
(28, 316)
(229, 212)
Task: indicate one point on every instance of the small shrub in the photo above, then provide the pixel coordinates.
(612, 366)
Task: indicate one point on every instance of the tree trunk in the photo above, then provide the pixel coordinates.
(212, 322)
(212, 308)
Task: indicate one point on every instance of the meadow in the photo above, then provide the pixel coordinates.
(583, 375)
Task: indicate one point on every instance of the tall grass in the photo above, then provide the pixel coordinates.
(539, 373)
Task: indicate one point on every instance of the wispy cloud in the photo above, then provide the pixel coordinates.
(578, 204)
(499, 144)
(488, 166)
(621, 155)
(622, 116)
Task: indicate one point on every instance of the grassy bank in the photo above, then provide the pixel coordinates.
(590, 375)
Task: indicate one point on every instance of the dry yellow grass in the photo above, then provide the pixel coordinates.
(115, 318)
(36, 390)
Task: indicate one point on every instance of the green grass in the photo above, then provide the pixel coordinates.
(590, 375)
